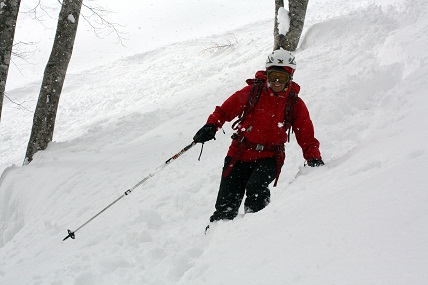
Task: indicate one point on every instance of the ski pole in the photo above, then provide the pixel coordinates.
(71, 234)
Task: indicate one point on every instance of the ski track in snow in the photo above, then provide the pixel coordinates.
(360, 219)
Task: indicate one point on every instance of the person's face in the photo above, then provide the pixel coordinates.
(278, 80)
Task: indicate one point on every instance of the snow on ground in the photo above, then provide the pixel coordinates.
(360, 219)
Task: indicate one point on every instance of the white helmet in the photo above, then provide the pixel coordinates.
(282, 58)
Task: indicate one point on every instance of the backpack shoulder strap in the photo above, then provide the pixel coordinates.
(253, 99)
(289, 109)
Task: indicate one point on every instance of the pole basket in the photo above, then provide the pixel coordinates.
(70, 235)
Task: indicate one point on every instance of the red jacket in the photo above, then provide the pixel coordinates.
(266, 121)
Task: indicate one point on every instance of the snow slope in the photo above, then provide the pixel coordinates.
(360, 219)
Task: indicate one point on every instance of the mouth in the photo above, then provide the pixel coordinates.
(276, 84)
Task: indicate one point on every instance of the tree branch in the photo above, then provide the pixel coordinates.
(99, 13)
(20, 105)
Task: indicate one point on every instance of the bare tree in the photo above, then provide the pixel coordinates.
(53, 78)
(297, 13)
(8, 16)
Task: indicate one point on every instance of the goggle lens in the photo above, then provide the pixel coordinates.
(281, 77)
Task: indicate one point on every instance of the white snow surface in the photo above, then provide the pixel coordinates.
(283, 21)
(360, 219)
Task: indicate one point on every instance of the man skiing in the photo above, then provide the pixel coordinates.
(266, 109)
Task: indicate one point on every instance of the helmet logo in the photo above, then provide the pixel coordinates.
(270, 59)
(280, 61)
(292, 61)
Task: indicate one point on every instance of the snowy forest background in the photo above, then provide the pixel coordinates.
(360, 219)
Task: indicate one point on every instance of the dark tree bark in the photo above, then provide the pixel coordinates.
(8, 16)
(53, 78)
(297, 13)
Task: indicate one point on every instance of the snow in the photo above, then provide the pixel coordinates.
(71, 18)
(283, 21)
(360, 219)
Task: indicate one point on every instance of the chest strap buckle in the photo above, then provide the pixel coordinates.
(260, 147)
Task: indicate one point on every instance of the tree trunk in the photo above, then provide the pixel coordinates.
(279, 39)
(53, 78)
(297, 13)
(8, 16)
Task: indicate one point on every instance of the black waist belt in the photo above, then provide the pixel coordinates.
(263, 147)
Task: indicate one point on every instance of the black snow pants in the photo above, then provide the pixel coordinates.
(250, 178)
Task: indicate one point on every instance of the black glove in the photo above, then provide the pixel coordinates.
(315, 162)
(206, 133)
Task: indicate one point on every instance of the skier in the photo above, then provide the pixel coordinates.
(256, 155)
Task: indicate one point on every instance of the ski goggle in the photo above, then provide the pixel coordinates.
(279, 76)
